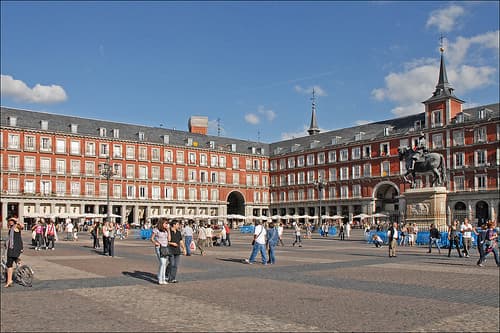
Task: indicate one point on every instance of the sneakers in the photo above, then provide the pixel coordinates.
(246, 261)
(480, 265)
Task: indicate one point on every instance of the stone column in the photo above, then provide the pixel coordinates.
(4, 215)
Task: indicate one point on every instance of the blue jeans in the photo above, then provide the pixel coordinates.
(434, 241)
(495, 253)
(163, 265)
(173, 263)
(258, 248)
(272, 258)
(188, 239)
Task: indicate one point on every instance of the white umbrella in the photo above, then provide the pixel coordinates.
(379, 215)
(336, 217)
(361, 216)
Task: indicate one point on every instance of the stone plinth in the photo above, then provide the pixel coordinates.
(425, 206)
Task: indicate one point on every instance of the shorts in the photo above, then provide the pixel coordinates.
(11, 260)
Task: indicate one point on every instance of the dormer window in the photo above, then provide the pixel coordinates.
(387, 131)
(73, 128)
(295, 147)
(166, 139)
(116, 133)
(140, 136)
(211, 144)
(189, 142)
(481, 115)
(233, 146)
(436, 118)
(359, 136)
(277, 150)
(314, 144)
(460, 118)
(253, 149)
(44, 125)
(336, 140)
(417, 125)
(102, 132)
(13, 121)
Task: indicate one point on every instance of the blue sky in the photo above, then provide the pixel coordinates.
(250, 64)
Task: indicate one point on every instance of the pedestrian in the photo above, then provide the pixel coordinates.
(377, 240)
(95, 232)
(160, 237)
(481, 233)
(14, 247)
(341, 231)
(187, 233)
(111, 239)
(51, 235)
(39, 237)
(272, 241)
(454, 238)
(280, 233)
(348, 229)
(228, 234)
(176, 247)
(258, 244)
(297, 234)
(105, 237)
(69, 229)
(209, 234)
(491, 242)
(393, 236)
(201, 239)
(466, 230)
(434, 238)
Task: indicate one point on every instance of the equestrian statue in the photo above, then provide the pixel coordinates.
(420, 160)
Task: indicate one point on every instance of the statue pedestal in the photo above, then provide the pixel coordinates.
(425, 206)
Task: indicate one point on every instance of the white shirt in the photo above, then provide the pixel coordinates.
(187, 231)
(260, 232)
(466, 230)
(280, 231)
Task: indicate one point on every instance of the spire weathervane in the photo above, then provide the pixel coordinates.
(441, 44)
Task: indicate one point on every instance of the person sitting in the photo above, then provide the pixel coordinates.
(377, 240)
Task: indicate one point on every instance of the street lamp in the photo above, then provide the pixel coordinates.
(107, 171)
(320, 185)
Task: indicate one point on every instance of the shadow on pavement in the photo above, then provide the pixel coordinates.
(146, 276)
(238, 260)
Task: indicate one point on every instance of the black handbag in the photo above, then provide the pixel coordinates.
(164, 251)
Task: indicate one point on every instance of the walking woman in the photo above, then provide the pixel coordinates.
(160, 238)
(453, 238)
(51, 234)
(14, 247)
(95, 232)
(176, 246)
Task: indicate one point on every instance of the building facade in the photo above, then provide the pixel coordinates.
(50, 165)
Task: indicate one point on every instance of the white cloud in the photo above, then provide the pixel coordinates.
(293, 135)
(363, 122)
(19, 91)
(445, 19)
(252, 118)
(269, 114)
(418, 79)
(308, 91)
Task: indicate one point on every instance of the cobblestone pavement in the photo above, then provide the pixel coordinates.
(327, 285)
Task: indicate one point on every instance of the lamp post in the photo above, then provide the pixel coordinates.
(320, 185)
(107, 171)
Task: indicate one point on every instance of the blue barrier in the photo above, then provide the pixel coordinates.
(146, 233)
(422, 238)
(332, 231)
(247, 229)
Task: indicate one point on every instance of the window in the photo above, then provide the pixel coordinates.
(282, 180)
(180, 193)
(29, 164)
(256, 165)
(384, 149)
(29, 186)
(301, 178)
(300, 161)
(118, 169)
(480, 157)
(143, 153)
(332, 192)
(332, 156)
(143, 192)
(75, 189)
(387, 131)
(13, 163)
(180, 157)
(130, 153)
(214, 195)
(192, 175)
(74, 148)
(102, 132)
(130, 171)
(344, 173)
(117, 191)
(214, 161)
(116, 133)
(222, 162)
(310, 176)
(356, 153)
(291, 162)
(291, 195)
(356, 172)
(204, 161)
(386, 169)
(45, 187)
(44, 125)
(167, 156)
(60, 167)
(169, 193)
(191, 158)
(29, 142)
(140, 136)
(321, 174)
(356, 191)
(332, 174)
(459, 182)
(167, 174)
(436, 118)
(90, 148)
(155, 172)
(12, 121)
(437, 141)
(89, 168)
(264, 165)
(45, 165)
(117, 151)
(336, 140)
(291, 179)
(458, 138)
(459, 160)
(222, 177)
(60, 188)
(480, 135)
(367, 170)
(13, 141)
(248, 164)
(481, 114)
(300, 195)
(367, 151)
(235, 161)
(73, 128)
(359, 136)
(236, 179)
(103, 190)
(274, 165)
(321, 158)
(45, 144)
(75, 167)
(143, 172)
(60, 146)
(310, 194)
(344, 155)
(104, 150)
(344, 192)
(13, 186)
(283, 164)
(155, 193)
(192, 194)
(180, 175)
(166, 139)
(480, 182)
(130, 192)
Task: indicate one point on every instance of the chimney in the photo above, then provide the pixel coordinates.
(198, 124)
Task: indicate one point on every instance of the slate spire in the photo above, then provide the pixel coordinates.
(313, 128)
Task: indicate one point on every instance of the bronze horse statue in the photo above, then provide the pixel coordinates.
(431, 162)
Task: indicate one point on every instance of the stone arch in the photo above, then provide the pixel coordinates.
(482, 212)
(236, 203)
(459, 211)
(385, 195)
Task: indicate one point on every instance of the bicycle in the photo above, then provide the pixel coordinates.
(23, 274)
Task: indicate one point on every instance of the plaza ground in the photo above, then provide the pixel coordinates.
(326, 285)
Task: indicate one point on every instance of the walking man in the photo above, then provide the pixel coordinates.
(393, 239)
(466, 230)
(434, 237)
(259, 244)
